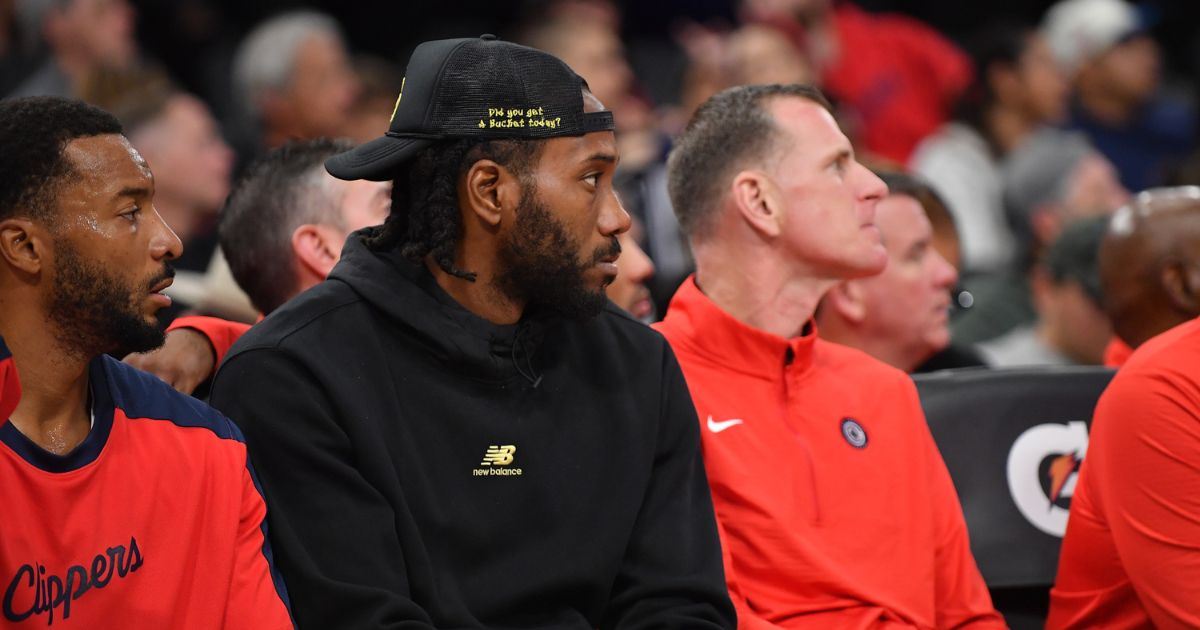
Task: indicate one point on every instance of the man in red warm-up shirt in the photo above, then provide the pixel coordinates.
(835, 508)
(1131, 554)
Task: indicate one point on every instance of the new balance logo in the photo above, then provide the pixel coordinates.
(498, 455)
(498, 458)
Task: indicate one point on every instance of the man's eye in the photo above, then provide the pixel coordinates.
(593, 179)
(131, 215)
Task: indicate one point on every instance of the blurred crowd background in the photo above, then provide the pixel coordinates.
(1024, 117)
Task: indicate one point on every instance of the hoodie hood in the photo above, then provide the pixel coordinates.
(408, 293)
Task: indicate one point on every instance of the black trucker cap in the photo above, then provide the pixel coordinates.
(473, 88)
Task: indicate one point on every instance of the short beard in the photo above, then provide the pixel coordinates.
(94, 312)
(538, 264)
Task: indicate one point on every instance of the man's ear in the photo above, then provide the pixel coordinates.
(489, 190)
(757, 201)
(22, 245)
(1181, 281)
(846, 299)
(315, 248)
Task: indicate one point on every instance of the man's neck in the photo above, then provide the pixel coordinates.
(479, 296)
(53, 411)
(765, 296)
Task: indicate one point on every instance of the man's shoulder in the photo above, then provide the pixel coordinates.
(1165, 362)
(142, 396)
(613, 330)
(304, 315)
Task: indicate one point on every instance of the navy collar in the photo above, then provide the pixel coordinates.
(88, 450)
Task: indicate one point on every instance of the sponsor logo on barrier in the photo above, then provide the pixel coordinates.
(1043, 467)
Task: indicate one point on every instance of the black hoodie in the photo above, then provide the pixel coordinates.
(425, 468)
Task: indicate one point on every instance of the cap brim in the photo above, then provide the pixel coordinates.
(377, 160)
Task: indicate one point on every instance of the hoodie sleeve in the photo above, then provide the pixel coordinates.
(332, 532)
(672, 575)
(10, 385)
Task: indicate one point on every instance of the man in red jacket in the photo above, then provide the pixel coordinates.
(835, 508)
(1130, 558)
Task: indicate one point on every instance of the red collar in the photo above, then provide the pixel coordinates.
(697, 324)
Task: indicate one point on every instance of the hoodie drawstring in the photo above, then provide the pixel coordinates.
(531, 375)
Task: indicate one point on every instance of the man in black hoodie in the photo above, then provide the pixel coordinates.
(456, 429)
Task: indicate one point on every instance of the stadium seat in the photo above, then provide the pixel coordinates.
(1013, 440)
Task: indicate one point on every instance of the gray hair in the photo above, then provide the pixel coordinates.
(266, 58)
(1039, 172)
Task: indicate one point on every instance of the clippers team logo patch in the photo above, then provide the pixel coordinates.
(498, 458)
(1043, 468)
(854, 433)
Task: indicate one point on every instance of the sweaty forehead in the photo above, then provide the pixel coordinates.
(105, 156)
(103, 166)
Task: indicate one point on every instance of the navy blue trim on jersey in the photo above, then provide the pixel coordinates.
(4, 352)
(145, 397)
(89, 449)
(276, 576)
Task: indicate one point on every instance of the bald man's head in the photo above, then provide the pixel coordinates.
(1150, 263)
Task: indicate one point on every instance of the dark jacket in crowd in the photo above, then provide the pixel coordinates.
(425, 468)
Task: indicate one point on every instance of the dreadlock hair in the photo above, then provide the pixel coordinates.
(425, 218)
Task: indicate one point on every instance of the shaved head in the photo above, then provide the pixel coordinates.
(1150, 263)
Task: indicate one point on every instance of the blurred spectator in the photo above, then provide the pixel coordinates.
(293, 77)
(634, 269)
(896, 75)
(1116, 66)
(1071, 327)
(1055, 177)
(1017, 89)
(1150, 263)
(761, 54)
(179, 138)
(372, 109)
(80, 37)
(900, 316)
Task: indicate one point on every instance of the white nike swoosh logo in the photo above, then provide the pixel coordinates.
(717, 427)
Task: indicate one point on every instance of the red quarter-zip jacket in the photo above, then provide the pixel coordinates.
(834, 505)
